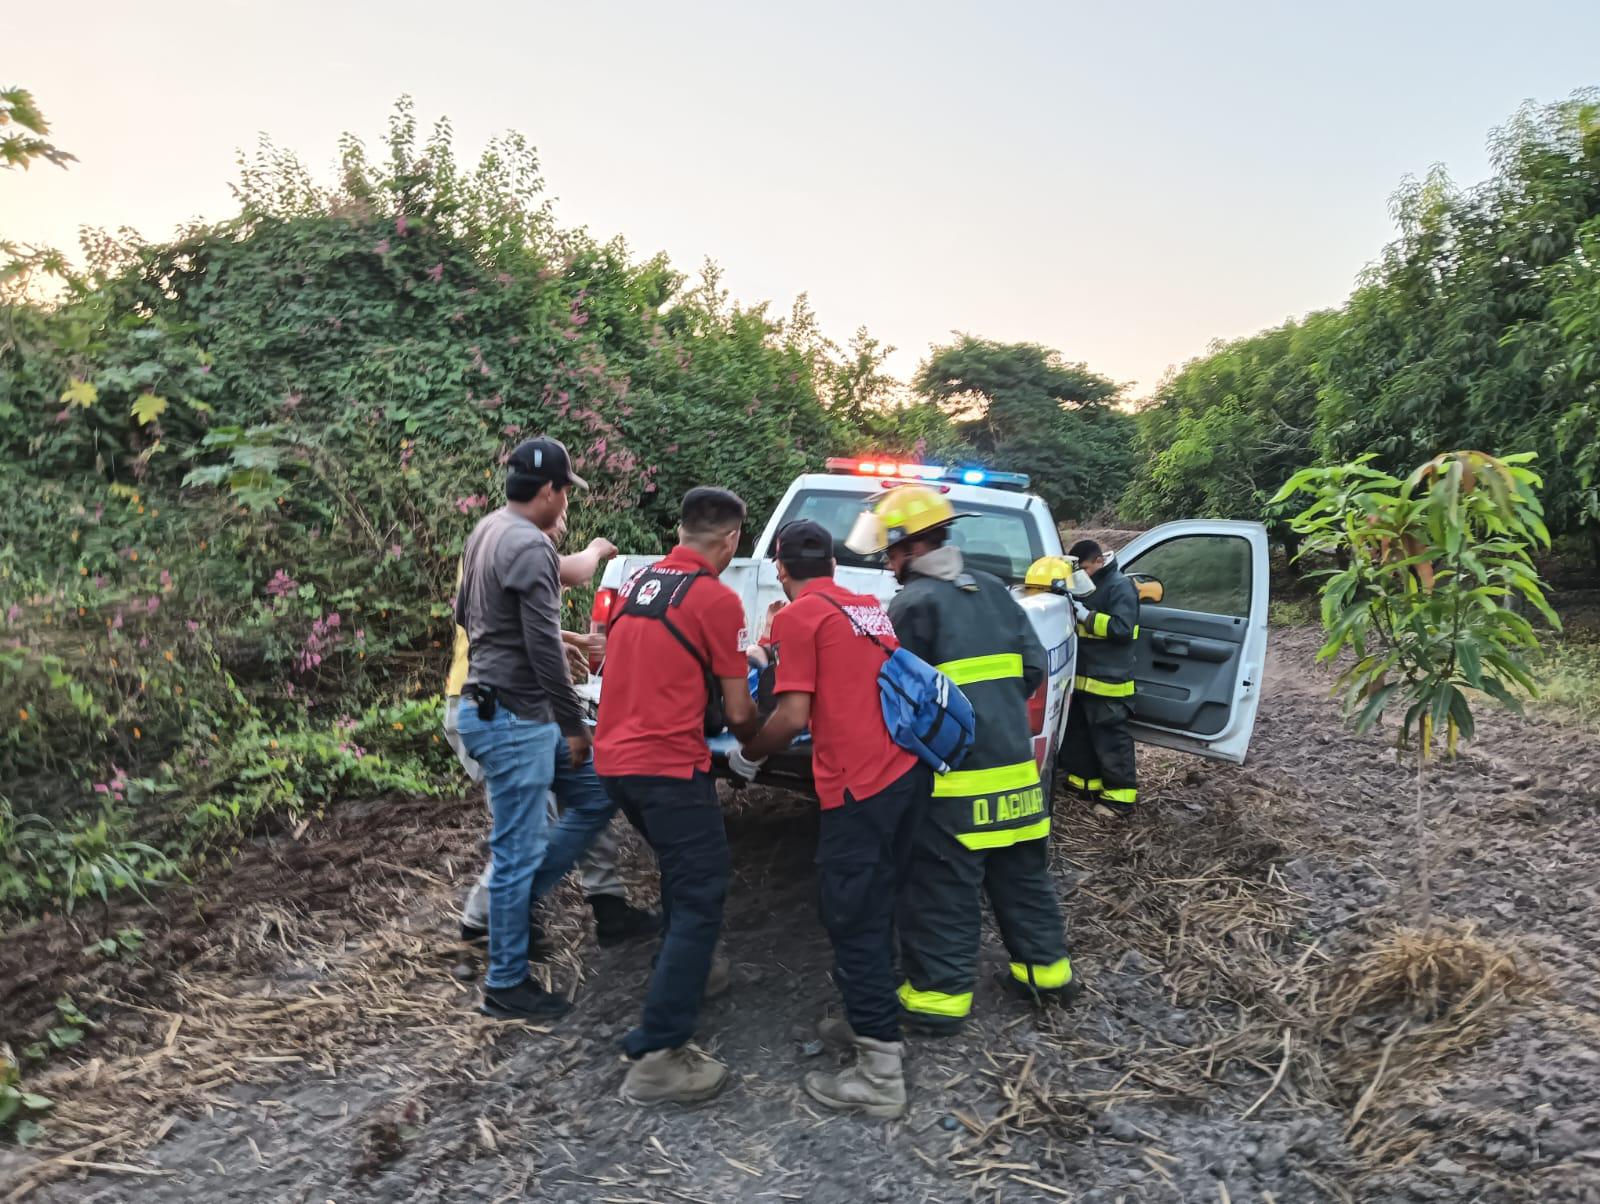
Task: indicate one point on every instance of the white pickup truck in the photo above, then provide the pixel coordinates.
(1201, 650)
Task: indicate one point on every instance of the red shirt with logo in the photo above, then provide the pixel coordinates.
(653, 704)
(821, 653)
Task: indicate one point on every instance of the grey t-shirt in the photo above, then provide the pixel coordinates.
(510, 605)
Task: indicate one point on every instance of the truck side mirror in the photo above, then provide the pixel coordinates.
(1150, 590)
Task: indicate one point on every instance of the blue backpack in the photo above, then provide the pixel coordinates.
(926, 713)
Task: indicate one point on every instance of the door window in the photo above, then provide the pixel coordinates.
(1206, 573)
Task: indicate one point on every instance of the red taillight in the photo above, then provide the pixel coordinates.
(599, 620)
(1038, 703)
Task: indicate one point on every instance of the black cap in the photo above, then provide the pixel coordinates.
(543, 459)
(804, 540)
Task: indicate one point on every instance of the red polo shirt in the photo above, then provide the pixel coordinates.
(653, 700)
(820, 653)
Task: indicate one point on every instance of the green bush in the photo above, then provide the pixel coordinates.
(240, 466)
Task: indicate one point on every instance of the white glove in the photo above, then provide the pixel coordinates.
(1080, 611)
(743, 765)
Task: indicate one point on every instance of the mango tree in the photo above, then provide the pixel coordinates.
(1426, 604)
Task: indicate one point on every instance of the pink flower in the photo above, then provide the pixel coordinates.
(395, 550)
(382, 248)
(436, 273)
(99, 581)
(166, 579)
(13, 613)
(511, 430)
(292, 402)
(361, 633)
(503, 278)
(333, 619)
(152, 604)
(63, 415)
(144, 641)
(101, 788)
(281, 585)
(191, 625)
(116, 621)
(205, 369)
(400, 226)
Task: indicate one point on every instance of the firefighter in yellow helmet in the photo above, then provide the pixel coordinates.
(988, 826)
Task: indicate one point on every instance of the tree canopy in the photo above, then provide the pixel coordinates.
(1477, 327)
(1024, 407)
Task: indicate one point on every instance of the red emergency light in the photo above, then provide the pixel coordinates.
(885, 468)
(966, 475)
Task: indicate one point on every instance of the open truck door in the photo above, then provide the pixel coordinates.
(1202, 647)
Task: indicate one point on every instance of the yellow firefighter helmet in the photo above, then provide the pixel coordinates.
(900, 513)
(1050, 574)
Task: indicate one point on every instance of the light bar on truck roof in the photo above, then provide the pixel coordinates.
(970, 474)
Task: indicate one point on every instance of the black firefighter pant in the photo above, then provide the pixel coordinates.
(863, 854)
(1097, 750)
(941, 918)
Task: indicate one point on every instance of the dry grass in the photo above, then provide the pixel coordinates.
(1401, 1011)
(1365, 1028)
(331, 985)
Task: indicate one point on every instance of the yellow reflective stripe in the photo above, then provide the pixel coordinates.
(1101, 624)
(1095, 784)
(1050, 978)
(1136, 631)
(1106, 689)
(934, 1003)
(1078, 783)
(969, 669)
(1005, 837)
(963, 782)
(1120, 795)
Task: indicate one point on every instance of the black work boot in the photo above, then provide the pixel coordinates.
(1041, 996)
(920, 1024)
(525, 1001)
(615, 921)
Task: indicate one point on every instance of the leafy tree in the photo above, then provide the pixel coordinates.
(1476, 327)
(1221, 435)
(1455, 336)
(22, 141)
(1023, 407)
(1422, 609)
(20, 147)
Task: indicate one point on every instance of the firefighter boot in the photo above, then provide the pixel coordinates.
(674, 1076)
(874, 1086)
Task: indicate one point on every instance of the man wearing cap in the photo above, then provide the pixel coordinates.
(830, 644)
(616, 920)
(520, 718)
(988, 825)
(674, 653)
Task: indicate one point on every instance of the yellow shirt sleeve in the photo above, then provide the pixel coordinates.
(457, 676)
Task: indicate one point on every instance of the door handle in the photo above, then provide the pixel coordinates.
(1171, 645)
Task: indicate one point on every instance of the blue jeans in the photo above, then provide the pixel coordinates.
(586, 811)
(519, 764)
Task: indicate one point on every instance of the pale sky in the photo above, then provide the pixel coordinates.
(1124, 182)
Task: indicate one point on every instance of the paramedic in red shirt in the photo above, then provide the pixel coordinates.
(873, 794)
(677, 634)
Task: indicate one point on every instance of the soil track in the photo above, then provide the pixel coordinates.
(1254, 1028)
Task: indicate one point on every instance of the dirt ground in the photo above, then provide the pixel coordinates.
(1256, 1026)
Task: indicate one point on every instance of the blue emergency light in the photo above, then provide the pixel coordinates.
(894, 469)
